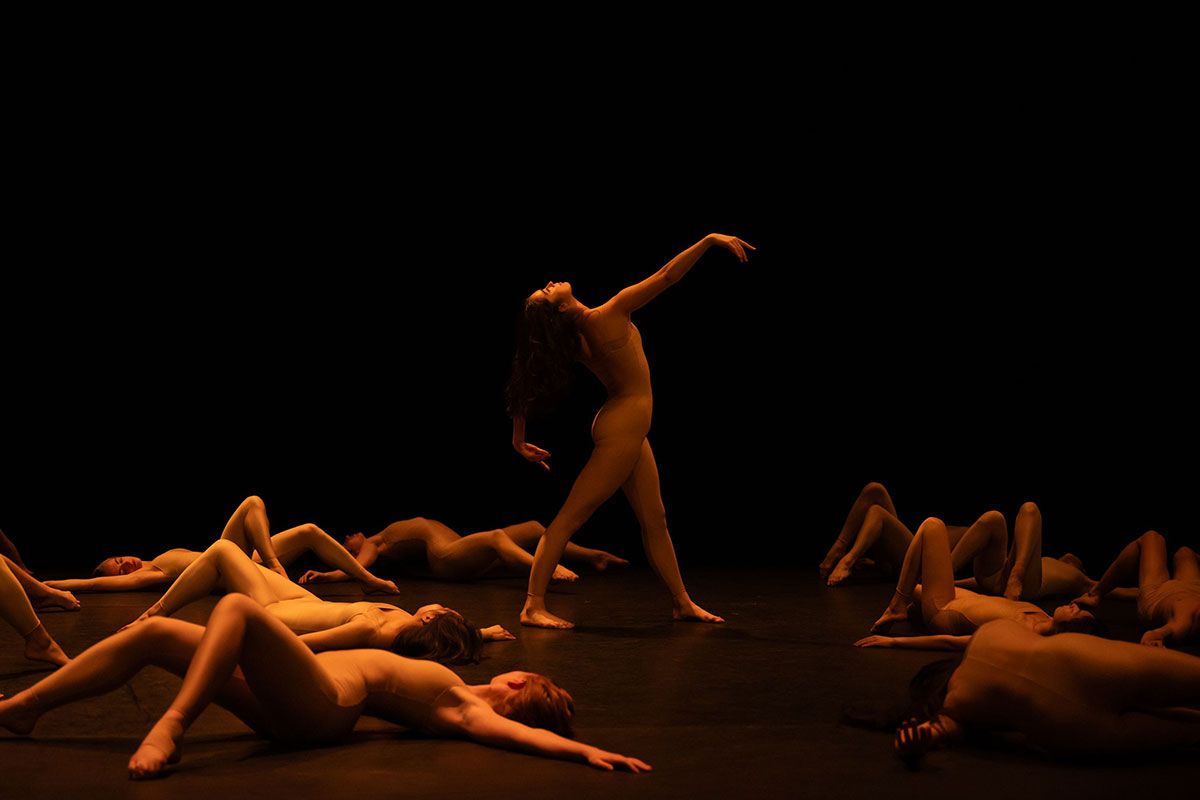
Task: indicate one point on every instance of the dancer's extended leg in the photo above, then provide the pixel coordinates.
(528, 534)
(222, 566)
(16, 610)
(250, 530)
(294, 542)
(112, 662)
(608, 467)
(873, 494)
(645, 496)
(41, 595)
(474, 555)
(297, 698)
(881, 530)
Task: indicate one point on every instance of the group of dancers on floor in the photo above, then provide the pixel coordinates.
(1071, 693)
(300, 669)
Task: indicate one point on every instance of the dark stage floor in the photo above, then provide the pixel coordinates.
(748, 709)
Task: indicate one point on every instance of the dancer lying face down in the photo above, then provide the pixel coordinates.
(433, 632)
(953, 612)
(249, 529)
(458, 558)
(248, 662)
(1172, 605)
(1069, 695)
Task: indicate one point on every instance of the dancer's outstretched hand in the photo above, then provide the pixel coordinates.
(312, 576)
(496, 634)
(876, 641)
(733, 244)
(531, 452)
(601, 759)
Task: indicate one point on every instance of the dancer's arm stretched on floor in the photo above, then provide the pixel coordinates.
(146, 578)
(475, 719)
(941, 641)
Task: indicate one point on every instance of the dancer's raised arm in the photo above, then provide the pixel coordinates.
(474, 718)
(632, 298)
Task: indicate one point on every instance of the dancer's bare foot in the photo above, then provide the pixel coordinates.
(833, 557)
(19, 714)
(690, 612)
(561, 573)
(687, 611)
(894, 613)
(40, 646)
(56, 598)
(841, 571)
(380, 586)
(159, 748)
(602, 560)
(541, 618)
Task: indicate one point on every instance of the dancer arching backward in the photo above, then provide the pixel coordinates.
(433, 632)
(1171, 604)
(249, 529)
(458, 558)
(952, 612)
(1069, 694)
(250, 663)
(556, 329)
(873, 529)
(19, 592)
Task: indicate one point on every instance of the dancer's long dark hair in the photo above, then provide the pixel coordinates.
(547, 346)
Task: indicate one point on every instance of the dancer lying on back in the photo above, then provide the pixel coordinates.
(458, 558)
(1170, 604)
(251, 664)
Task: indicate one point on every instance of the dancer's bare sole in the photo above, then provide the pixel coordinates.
(159, 749)
(563, 574)
(690, 612)
(541, 618)
(57, 598)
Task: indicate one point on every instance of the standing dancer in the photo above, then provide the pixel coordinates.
(556, 329)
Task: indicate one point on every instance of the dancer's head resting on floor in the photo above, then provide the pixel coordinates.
(1073, 619)
(547, 346)
(534, 700)
(440, 634)
(117, 565)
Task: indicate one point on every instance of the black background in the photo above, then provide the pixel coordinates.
(971, 295)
